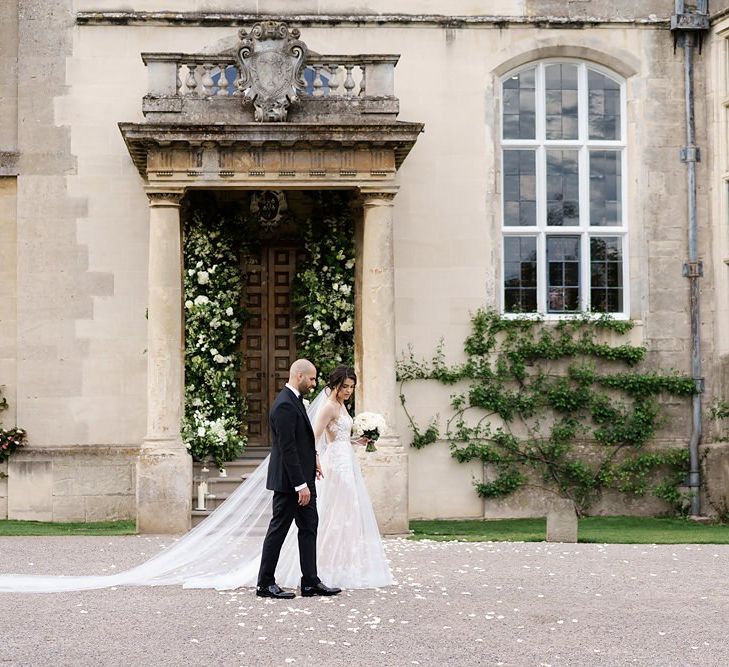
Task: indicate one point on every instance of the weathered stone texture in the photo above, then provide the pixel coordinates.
(87, 484)
(609, 9)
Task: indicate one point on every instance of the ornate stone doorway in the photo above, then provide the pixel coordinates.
(203, 130)
(268, 346)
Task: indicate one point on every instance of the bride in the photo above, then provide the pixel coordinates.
(224, 551)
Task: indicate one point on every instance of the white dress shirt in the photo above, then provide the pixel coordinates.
(297, 393)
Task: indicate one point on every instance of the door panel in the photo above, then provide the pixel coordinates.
(269, 345)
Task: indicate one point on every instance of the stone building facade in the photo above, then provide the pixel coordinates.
(99, 141)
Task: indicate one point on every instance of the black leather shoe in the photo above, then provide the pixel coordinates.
(318, 589)
(274, 591)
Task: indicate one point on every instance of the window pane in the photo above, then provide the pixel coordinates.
(520, 274)
(605, 194)
(563, 198)
(561, 101)
(603, 106)
(520, 188)
(563, 274)
(518, 106)
(606, 274)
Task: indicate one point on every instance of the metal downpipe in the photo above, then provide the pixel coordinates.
(693, 272)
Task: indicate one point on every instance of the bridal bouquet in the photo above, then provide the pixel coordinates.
(369, 425)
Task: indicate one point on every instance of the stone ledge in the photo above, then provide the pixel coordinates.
(234, 19)
(105, 451)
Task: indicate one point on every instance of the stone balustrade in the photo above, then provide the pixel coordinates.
(179, 82)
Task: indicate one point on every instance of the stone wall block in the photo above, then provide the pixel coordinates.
(441, 487)
(386, 475)
(109, 508)
(715, 473)
(30, 490)
(107, 479)
(68, 509)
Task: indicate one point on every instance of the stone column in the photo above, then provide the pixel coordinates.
(164, 470)
(386, 470)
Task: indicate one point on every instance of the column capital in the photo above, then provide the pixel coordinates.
(373, 195)
(165, 197)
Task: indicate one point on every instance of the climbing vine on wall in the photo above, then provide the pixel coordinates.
(545, 405)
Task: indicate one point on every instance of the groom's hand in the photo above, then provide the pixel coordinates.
(304, 496)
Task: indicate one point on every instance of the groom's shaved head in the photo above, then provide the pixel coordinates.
(302, 375)
(301, 366)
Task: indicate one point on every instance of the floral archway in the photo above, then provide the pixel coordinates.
(215, 235)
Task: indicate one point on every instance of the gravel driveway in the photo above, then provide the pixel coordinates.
(455, 604)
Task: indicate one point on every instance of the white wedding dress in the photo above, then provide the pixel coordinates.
(224, 551)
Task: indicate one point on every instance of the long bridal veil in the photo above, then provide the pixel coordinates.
(221, 552)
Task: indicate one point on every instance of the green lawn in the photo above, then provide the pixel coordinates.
(608, 529)
(28, 528)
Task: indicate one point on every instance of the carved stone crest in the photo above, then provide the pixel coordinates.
(270, 207)
(271, 59)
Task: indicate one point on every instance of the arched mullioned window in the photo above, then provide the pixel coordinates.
(563, 183)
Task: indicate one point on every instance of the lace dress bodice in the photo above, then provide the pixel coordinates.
(340, 428)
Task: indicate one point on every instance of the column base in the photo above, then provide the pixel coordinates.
(386, 475)
(164, 483)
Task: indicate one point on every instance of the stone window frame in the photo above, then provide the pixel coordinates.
(583, 144)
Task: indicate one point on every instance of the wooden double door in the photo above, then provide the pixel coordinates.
(268, 343)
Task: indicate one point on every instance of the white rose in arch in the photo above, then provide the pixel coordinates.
(188, 304)
(201, 431)
(200, 300)
(203, 278)
(317, 325)
(229, 311)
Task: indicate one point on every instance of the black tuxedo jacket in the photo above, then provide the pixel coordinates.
(293, 454)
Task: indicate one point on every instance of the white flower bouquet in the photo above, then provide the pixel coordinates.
(369, 425)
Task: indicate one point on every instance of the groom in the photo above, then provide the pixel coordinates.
(292, 470)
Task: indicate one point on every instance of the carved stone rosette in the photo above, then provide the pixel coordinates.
(271, 60)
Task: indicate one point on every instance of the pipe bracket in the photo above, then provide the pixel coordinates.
(693, 269)
(690, 154)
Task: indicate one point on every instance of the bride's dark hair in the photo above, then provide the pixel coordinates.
(339, 375)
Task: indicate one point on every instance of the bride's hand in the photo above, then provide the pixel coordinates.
(319, 473)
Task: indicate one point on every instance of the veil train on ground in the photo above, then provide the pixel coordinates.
(224, 550)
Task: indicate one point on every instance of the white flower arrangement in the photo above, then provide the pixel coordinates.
(370, 425)
(214, 422)
(324, 288)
